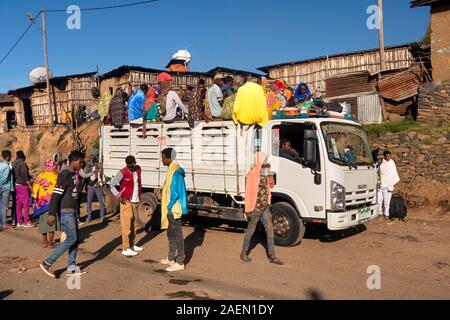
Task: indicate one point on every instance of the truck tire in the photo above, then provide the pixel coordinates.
(288, 227)
(146, 208)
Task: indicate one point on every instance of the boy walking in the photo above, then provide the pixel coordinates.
(64, 199)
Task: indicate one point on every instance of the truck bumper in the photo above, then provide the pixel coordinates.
(346, 219)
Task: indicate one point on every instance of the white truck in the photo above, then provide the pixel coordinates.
(321, 188)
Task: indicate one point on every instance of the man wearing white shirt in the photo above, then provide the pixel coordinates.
(387, 171)
(215, 96)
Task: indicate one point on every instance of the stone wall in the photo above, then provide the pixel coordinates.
(434, 102)
(423, 163)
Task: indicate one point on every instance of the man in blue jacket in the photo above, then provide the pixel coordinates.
(173, 207)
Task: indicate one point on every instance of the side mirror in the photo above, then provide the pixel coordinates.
(317, 179)
(309, 150)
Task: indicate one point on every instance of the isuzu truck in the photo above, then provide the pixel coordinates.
(322, 186)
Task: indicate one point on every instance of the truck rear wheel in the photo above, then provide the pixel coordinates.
(146, 209)
(288, 227)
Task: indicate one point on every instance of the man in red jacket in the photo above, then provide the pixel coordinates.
(129, 194)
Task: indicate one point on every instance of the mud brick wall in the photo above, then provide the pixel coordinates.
(434, 102)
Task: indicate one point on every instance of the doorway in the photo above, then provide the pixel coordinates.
(28, 113)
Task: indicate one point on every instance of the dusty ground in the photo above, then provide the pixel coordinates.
(413, 257)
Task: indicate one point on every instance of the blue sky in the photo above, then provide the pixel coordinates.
(242, 34)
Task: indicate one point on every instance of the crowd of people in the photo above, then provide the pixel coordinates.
(56, 192)
(164, 103)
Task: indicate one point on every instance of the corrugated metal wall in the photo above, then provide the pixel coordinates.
(369, 109)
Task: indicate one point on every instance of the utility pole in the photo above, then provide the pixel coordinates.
(381, 35)
(47, 78)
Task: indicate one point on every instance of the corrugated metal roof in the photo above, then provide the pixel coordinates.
(421, 3)
(402, 85)
(349, 83)
(369, 109)
(235, 71)
(267, 68)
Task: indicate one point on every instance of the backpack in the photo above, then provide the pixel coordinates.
(397, 207)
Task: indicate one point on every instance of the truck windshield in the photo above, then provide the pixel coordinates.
(346, 144)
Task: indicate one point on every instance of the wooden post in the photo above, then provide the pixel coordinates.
(381, 35)
(47, 78)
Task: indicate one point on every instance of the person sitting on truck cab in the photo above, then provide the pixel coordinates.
(302, 93)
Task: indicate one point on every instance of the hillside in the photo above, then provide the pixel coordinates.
(41, 145)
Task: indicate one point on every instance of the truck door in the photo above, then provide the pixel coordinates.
(303, 183)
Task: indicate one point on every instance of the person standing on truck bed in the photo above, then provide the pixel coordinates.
(64, 200)
(173, 206)
(129, 179)
(215, 96)
(257, 206)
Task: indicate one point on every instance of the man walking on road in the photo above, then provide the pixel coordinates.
(387, 171)
(173, 206)
(64, 200)
(257, 206)
(129, 180)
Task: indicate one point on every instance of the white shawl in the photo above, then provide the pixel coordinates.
(389, 175)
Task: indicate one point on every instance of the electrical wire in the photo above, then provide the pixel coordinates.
(105, 8)
(20, 38)
(65, 10)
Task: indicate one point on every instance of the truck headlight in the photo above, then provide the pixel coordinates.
(337, 196)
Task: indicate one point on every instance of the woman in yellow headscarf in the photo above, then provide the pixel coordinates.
(42, 193)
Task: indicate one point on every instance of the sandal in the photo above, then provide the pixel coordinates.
(275, 260)
(44, 244)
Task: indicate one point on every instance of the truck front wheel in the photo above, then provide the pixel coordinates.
(288, 227)
(146, 209)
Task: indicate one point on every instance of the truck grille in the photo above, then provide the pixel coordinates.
(359, 199)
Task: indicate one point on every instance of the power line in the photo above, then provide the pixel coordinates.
(105, 8)
(20, 38)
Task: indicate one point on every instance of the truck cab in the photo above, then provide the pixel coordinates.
(323, 183)
(331, 180)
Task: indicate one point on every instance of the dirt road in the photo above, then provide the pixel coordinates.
(414, 261)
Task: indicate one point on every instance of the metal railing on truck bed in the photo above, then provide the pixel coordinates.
(214, 155)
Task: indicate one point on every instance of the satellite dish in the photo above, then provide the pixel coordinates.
(182, 55)
(38, 75)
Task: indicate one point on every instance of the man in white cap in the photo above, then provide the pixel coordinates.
(215, 96)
